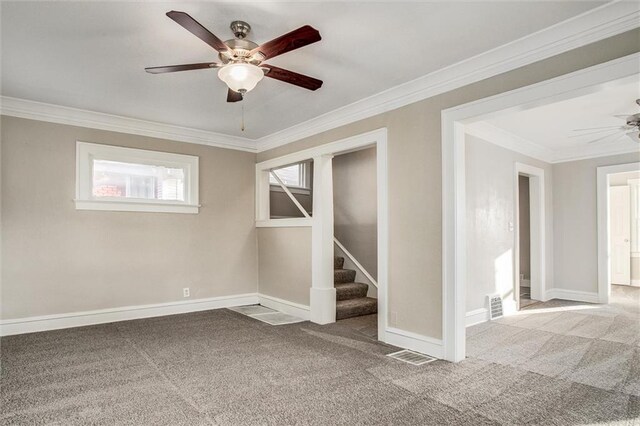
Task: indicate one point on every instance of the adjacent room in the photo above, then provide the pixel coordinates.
(241, 213)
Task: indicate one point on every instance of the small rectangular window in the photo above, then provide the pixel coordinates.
(295, 176)
(126, 179)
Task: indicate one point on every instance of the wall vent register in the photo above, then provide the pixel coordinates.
(495, 306)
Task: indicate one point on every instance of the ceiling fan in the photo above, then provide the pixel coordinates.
(242, 66)
(610, 134)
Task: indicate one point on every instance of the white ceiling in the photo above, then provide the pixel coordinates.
(92, 55)
(552, 127)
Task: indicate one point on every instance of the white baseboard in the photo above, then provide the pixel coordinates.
(291, 308)
(77, 319)
(415, 342)
(577, 296)
(476, 316)
(635, 283)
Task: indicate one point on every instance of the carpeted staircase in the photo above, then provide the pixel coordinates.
(351, 297)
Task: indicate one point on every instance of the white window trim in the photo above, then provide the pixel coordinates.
(292, 189)
(304, 176)
(86, 152)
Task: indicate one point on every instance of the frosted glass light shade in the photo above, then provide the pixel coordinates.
(241, 77)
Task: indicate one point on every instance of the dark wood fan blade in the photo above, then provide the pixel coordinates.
(292, 77)
(185, 67)
(195, 28)
(288, 42)
(233, 96)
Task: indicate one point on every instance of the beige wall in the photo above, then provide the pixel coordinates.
(575, 221)
(57, 259)
(285, 263)
(280, 205)
(415, 170)
(524, 223)
(355, 208)
(490, 206)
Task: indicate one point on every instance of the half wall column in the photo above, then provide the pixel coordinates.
(323, 294)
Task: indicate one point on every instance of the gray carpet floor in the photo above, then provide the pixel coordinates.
(558, 363)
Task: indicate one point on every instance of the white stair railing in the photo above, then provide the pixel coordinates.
(355, 262)
(286, 190)
(335, 240)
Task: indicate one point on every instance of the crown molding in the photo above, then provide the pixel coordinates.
(505, 139)
(97, 120)
(597, 24)
(594, 25)
(508, 140)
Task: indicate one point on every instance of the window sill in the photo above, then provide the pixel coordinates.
(292, 189)
(131, 206)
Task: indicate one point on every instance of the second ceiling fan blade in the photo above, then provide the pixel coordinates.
(288, 42)
(185, 67)
(233, 96)
(195, 28)
(292, 77)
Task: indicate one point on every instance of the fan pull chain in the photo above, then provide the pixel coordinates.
(242, 124)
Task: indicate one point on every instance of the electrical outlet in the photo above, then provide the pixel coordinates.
(185, 292)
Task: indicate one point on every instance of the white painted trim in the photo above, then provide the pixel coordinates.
(578, 83)
(594, 25)
(286, 306)
(415, 342)
(577, 296)
(602, 197)
(501, 137)
(322, 296)
(86, 153)
(128, 206)
(292, 189)
(505, 139)
(377, 138)
(293, 199)
(476, 316)
(293, 222)
(355, 262)
(635, 283)
(51, 113)
(537, 221)
(101, 316)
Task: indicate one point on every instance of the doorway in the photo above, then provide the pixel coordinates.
(618, 227)
(523, 280)
(530, 248)
(355, 213)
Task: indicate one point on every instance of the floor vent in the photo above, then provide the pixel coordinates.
(264, 314)
(411, 357)
(495, 306)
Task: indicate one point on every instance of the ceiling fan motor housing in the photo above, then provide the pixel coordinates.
(240, 29)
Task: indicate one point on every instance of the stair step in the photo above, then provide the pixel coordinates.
(346, 291)
(338, 262)
(343, 276)
(356, 307)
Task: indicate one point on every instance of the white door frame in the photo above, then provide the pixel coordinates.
(322, 292)
(604, 243)
(582, 82)
(537, 228)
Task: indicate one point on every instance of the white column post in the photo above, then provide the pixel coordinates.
(323, 294)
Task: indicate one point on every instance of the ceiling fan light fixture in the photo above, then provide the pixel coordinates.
(241, 77)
